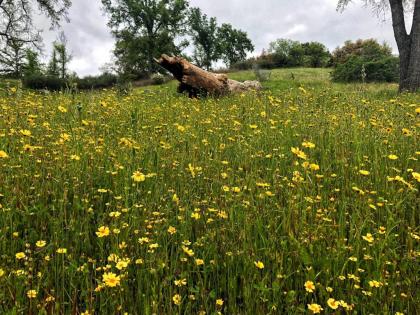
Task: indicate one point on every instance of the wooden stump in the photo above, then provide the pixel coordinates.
(197, 81)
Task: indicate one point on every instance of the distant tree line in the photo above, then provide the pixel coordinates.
(285, 53)
(21, 46)
(145, 29)
(21, 61)
(359, 61)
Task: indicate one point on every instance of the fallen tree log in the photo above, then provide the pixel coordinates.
(196, 81)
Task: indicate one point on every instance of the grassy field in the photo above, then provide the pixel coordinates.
(302, 199)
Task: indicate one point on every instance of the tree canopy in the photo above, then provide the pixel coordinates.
(16, 17)
(234, 44)
(203, 31)
(145, 29)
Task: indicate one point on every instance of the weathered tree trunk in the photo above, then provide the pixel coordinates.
(408, 45)
(197, 81)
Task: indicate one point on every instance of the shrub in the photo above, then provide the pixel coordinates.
(364, 60)
(244, 65)
(381, 70)
(262, 75)
(102, 81)
(368, 49)
(40, 82)
(157, 78)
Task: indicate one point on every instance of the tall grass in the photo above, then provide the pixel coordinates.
(202, 206)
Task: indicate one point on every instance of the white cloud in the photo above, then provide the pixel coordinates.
(295, 30)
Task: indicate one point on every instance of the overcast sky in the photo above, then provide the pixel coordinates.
(91, 43)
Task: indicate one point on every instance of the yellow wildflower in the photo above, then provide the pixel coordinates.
(368, 238)
(103, 231)
(315, 308)
(111, 279)
(3, 155)
(20, 255)
(308, 145)
(62, 109)
(31, 294)
(259, 264)
(299, 153)
(364, 172)
(40, 243)
(62, 250)
(375, 284)
(138, 177)
(332, 303)
(171, 230)
(177, 299)
(309, 286)
(180, 282)
(122, 264)
(25, 132)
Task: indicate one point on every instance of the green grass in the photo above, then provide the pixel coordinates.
(223, 185)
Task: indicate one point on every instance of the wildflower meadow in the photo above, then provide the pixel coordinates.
(300, 199)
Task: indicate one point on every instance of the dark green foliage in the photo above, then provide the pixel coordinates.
(365, 60)
(368, 49)
(158, 79)
(53, 67)
(39, 81)
(12, 58)
(32, 65)
(316, 55)
(44, 82)
(385, 69)
(285, 53)
(60, 58)
(104, 80)
(145, 29)
(203, 31)
(243, 65)
(213, 43)
(234, 44)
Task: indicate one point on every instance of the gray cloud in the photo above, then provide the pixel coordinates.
(89, 38)
(91, 43)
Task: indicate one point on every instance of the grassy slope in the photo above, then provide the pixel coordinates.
(224, 186)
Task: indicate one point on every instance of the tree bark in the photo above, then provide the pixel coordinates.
(197, 81)
(408, 45)
(413, 72)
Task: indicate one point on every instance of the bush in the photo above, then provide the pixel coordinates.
(41, 82)
(383, 70)
(157, 78)
(262, 75)
(52, 83)
(244, 65)
(368, 49)
(102, 81)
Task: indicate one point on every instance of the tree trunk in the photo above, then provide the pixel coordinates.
(408, 45)
(197, 81)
